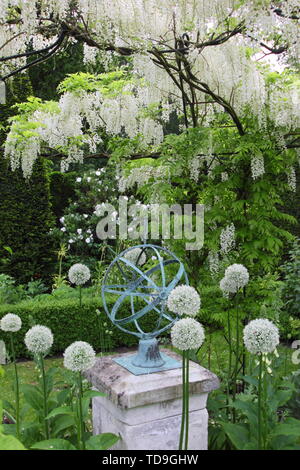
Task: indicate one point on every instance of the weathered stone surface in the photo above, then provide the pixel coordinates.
(129, 391)
(160, 434)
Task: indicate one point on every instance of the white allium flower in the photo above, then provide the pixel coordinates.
(63, 229)
(79, 274)
(39, 339)
(184, 300)
(79, 356)
(186, 334)
(236, 277)
(78, 180)
(10, 322)
(261, 336)
(136, 256)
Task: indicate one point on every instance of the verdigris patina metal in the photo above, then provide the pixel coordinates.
(144, 276)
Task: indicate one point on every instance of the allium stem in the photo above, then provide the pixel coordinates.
(17, 390)
(46, 424)
(187, 395)
(80, 296)
(259, 402)
(81, 442)
(230, 359)
(183, 402)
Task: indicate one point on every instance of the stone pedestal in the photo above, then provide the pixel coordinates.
(145, 410)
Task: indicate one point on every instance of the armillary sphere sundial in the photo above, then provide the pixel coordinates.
(140, 279)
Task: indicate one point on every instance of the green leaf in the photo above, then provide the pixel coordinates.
(62, 410)
(61, 423)
(53, 444)
(10, 443)
(102, 441)
(291, 427)
(33, 397)
(93, 394)
(238, 434)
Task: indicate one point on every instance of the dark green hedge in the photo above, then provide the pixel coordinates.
(62, 191)
(25, 220)
(64, 318)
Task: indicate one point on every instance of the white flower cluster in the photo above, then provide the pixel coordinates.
(136, 256)
(236, 277)
(79, 274)
(141, 175)
(184, 300)
(261, 336)
(227, 239)
(39, 339)
(10, 322)
(213, 262)
(292, 180)
(257, 166)
(187, 334)
(79, 356)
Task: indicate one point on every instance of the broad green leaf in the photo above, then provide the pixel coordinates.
(102, 441)
(238, 434)
(290, 427)
(93, 394)
(10, 443)
(62, 410)
(53, 444)
(61, 423)
(33, 397)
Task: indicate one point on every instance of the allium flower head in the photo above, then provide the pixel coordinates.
(184, 300)
(79, 274)
(236, 277)
(79, 356)
(136, 256)
(261, 336)
(186, 334)
(39, 339)
(10, 322)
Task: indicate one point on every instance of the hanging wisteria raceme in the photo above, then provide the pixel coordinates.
(219, 66)
(227, 239)
(257, 166)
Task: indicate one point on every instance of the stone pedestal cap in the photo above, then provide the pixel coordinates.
(127, 391)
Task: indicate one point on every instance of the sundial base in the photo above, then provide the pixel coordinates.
(126, 362)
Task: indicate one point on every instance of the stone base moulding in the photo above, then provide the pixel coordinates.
(145, 410)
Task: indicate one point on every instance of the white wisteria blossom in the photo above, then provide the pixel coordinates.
(292, 180)
(39, 339)
(184, 300)
(227, 239)
(79, 356)
(261, 336)
(236, 277)
(10, 322)
(187, 334)
(257, 166)
(136, 256)
(226, 43)
(79, 274)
